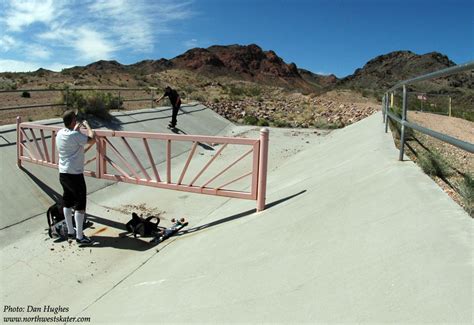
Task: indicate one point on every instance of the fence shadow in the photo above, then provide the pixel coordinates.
(238, 215)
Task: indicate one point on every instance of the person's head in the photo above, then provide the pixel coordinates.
(69, 118)
(167, 89)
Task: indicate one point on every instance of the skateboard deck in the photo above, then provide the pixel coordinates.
(171, 231)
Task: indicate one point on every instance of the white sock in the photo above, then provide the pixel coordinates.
(68, 217)
(79, 218)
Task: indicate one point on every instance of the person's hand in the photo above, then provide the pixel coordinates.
(77, 126)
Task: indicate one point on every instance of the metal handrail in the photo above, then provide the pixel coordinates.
(76, 89)
(150, 89)
(437, 74)
(467, 146)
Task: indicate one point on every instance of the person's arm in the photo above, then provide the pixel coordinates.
(158, 100)
(90, 132)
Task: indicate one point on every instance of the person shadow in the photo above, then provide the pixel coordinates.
(177, 130)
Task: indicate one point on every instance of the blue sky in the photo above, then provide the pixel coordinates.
(322, 36)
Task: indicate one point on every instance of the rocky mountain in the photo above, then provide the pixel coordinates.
(386, 70)
(320, 81)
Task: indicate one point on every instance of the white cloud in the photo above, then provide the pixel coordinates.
(25, 66)
(22, 13)
(85, 30)
(7, 43)
(38, 51)
(93, 45)
(192, 43)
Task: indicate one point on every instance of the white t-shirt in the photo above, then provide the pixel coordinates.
(70, 145)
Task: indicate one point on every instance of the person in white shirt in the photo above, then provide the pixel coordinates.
(70, 144)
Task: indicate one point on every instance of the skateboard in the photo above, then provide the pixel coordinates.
(168, 232)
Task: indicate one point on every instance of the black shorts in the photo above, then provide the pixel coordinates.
(75, 191)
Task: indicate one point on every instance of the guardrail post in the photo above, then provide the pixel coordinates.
(383, 108)
(450, 106)
(19, 141)
(386, 113)
(262, 169)
(152, 98)
(404, 117)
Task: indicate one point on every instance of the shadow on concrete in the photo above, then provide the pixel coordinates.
(182, 112)
(55, 196)
(123, 242)
(237, 216)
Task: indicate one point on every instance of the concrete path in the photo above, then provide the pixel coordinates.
(350, 234)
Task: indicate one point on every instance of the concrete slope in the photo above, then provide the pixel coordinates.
(36, 187)
(350, 234)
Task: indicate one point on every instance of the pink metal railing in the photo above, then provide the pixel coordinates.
(112, 163)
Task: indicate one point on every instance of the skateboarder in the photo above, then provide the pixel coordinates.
(175, 103)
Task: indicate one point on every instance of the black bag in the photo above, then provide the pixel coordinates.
(56, 223)
(141, 226)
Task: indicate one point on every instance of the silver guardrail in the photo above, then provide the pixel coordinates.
(387, 114)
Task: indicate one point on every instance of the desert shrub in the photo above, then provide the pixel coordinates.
(250, 120)
(95, 103)
(434, 164)
(263, 122)
(397, 127)
(322, 123)
(253, 91)
(235, 91)
(25, 94)
(466, 190)
(281, 124)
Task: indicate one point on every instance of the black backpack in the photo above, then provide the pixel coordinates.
(144, 227)
(56, 223)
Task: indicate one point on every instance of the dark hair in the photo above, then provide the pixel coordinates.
(167, 89)
(68, 117)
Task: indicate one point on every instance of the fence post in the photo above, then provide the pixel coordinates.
(119, 106)
(19, 141)
(404, 117)
(152, 98)
(450, 106)
(262, 169)
(383, 108)
(386, 113)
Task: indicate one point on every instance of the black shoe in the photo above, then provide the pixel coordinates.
(85, 241)
(71, 236)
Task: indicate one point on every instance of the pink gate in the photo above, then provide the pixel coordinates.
(116, 157)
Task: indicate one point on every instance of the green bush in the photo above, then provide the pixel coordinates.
(250, 120)
(281, 124)
(397, 127)
(322, 123)
(95, 103)
(25, 94)
(466, 190)
(263, 122)
(434, 164)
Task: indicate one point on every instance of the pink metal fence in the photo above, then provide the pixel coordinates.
(115, 158)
